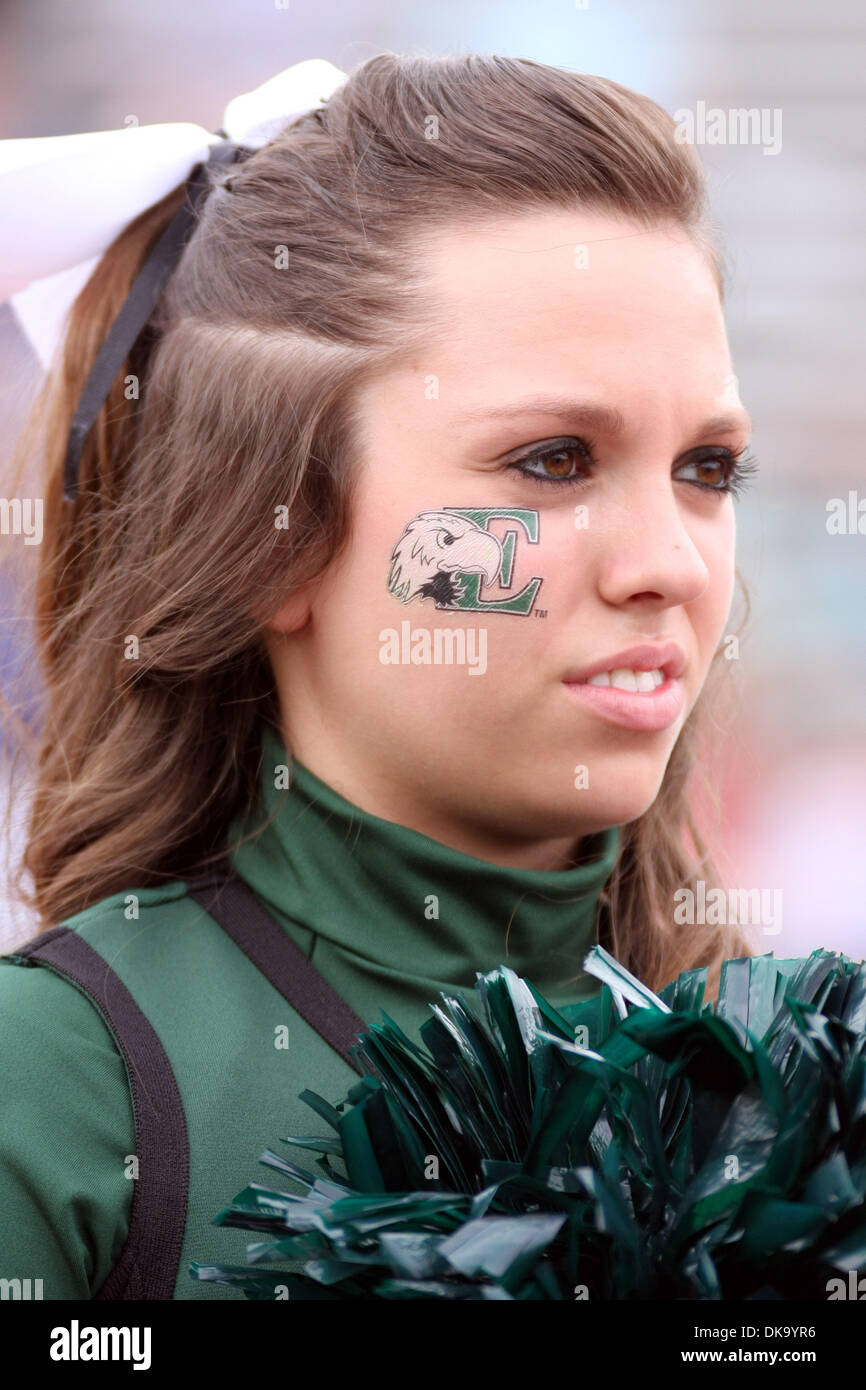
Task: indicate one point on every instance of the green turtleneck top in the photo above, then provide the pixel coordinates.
(389, 916)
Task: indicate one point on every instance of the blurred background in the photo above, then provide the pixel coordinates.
(792, 767)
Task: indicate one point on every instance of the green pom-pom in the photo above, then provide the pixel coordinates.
(643, 1146)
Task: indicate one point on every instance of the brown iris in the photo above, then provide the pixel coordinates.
(717, 467)
(558, 464)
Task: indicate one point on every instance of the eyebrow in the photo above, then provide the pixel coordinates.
(604, 419)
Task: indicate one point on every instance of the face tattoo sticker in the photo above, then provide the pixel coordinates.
(448, 555)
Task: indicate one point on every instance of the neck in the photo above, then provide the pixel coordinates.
(371, 791)
(392, 904)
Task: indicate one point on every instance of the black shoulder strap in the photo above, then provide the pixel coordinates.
(237, 910)
(147, 1267)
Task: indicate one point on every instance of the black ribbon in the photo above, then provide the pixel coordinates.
(138, 306)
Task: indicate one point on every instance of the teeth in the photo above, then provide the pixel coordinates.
(623, 678)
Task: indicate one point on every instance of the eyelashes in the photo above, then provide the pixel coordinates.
(744, 469)
(558, 451)
(567, 453)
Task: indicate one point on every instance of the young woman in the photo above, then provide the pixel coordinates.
(401, 592)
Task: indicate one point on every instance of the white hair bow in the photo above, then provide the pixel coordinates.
(67, 197)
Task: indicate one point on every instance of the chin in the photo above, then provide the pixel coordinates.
(620, 790)
(618, 809)
(511, 806)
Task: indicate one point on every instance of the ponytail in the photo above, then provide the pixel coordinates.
(81, 552)
(79, 531)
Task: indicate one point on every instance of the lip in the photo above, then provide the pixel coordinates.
(649, 712)
(667, 657)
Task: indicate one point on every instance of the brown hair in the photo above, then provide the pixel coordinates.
(247, 377)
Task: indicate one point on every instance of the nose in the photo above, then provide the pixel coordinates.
(647, 556)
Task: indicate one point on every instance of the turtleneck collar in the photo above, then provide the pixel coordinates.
(404, 906)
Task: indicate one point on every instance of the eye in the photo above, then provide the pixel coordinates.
(560, 461)
(720, 470)
(446, 538)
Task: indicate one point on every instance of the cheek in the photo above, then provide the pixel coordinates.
(427, 598)
(709, 613)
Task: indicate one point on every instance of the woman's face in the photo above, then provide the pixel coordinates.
(539, 491)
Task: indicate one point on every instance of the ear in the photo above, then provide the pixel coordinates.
(294, 612)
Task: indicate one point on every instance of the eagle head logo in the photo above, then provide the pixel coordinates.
(432, 553)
